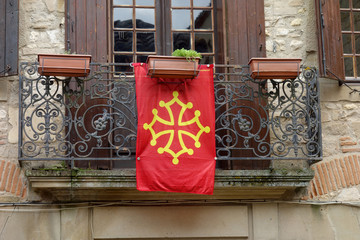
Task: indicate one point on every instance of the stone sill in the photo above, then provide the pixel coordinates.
(120, 184)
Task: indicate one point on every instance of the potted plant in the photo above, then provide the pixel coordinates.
(274, 68)
(66, 65)
(182, 64)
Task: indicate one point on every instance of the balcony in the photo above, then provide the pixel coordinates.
(78, 135)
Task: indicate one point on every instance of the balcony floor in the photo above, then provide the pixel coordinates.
(116, 185)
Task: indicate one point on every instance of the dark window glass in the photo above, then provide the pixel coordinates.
(356, 21)
(145, 42)
(203, 42)
(202, 19)
(348, 62)
(123, 41)
(344, 3)
(181, 40)
(206, 60)
(123, 18)
(202, 3)
(141, 58)
(358, 65)
(180, 3)
(181, 19)
(345, 21)
(356, 3)
(125, 60)
(347, 43)
(145, 18)
(357, 43)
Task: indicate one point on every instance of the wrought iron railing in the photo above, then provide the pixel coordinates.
(95, 117)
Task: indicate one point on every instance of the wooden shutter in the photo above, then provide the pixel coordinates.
(87, 28)
(245, 30)
(9, 36)
(87, 34)
(245, 34)
(330, 39)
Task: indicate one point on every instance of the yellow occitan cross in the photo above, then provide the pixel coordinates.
(171, 132)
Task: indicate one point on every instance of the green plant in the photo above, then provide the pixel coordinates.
(189, 54)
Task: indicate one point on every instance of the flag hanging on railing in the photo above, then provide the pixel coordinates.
(175, 149)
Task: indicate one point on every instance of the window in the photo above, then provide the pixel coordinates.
(350, 30)
(339, 39)
(9, 28)
(144, 27)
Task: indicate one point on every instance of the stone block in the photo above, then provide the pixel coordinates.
(3, 90)
(13, 121)
(171, 222)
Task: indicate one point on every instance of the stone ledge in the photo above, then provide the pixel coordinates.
(111, 185)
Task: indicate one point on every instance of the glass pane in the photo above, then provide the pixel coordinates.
(206, 60)
(181, 40)
(358, 66)
(144, 2)
(202, 19)
(145, 18)
(141, 58)
(123, 18)
(345, 21)
(356, 21)
(180, 3)
(356, 3)
(344, 3)
(202, 3)
(357, 43)
(145, 42)
(125, 61)
(204, 42)
(347, 43)
(123, 41)
(348, 62)
(123, 2)
(181, 19)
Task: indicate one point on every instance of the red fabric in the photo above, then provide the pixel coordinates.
(157, 169)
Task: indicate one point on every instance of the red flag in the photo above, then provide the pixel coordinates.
(175, 148)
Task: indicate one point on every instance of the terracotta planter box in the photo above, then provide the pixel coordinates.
(172, 67)
(66, 65)
(274, 68)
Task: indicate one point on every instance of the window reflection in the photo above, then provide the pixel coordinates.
(202, 3)
(145, 42)
(347, 43)
(345, 21)
(123, 18)
(145, 2)
(356, 21)
(123, 41)
(356, 3)
(348, 62)
(357, 43)
(203, 42)
(145, 18)
(344, 3)
(122, 2)
(180, 3)
(181, 40)
(202, 19)
(181, 19)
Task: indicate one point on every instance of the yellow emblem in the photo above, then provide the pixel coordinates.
(171, 132)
